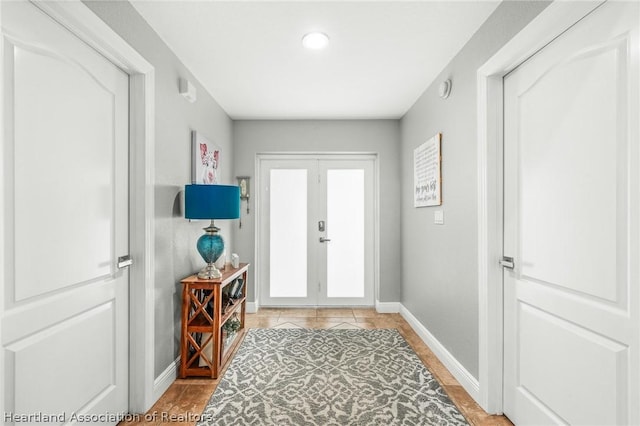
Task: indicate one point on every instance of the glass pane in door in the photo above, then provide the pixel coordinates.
(288, 233)
(345, 229)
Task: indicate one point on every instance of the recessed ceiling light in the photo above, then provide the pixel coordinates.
(315, 40)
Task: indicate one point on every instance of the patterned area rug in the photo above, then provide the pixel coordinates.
(328, 377)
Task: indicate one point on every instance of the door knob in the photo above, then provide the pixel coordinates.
(324, 240)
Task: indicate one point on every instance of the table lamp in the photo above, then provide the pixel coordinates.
(211, 202)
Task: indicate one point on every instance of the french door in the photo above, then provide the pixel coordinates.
(316, 231)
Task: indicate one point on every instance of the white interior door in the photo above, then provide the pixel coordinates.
(317, 239)
(572, 222)
(65, 202)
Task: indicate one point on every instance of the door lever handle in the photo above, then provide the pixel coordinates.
(124, 261)
(324, 240)
(507, 262)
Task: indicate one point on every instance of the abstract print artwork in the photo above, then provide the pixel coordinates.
(205, 167)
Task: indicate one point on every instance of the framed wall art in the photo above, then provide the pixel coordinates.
(427, 175)
(205, 160)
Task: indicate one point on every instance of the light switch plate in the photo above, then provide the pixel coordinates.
(438, 217)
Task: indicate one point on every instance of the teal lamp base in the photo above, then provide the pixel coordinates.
(210, 246)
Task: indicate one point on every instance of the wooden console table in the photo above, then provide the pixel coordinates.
(205, 349)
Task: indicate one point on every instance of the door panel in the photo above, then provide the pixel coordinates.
(571, 219)
(75, 121)
(288, 270)
(98, 340)
(567, 352)
(287, 251)
(581, 93)
(317, 227)
(346, 260)
(65, 195)
(345, 219)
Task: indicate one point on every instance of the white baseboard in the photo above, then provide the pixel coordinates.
(466, 379)
(251, 307)
(165, 379)
(387, 307)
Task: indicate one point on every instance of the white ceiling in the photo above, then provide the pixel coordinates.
(381, 56)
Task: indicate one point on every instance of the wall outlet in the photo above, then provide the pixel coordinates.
(438, 217)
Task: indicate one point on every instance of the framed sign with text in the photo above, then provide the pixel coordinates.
(427, 176)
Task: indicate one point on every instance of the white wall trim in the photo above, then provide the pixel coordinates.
(462, 375)
(490, 244)
(165, 379)
(142, 241)
(543, 29)
(313, 155)
(387, 307)
(252, 307)
(3, 236)
(80, 20)
(257, 238)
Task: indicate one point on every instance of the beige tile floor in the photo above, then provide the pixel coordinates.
(186, 398)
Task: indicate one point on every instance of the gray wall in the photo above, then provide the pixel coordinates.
(439, 263)
(379, 136)
(176, 256)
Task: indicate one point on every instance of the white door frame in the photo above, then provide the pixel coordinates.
(260, 157)
(549, 24)
(87, 26)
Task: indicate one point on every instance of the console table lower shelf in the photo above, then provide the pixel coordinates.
(213, 321)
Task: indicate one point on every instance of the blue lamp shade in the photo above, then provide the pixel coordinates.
(211, 202)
